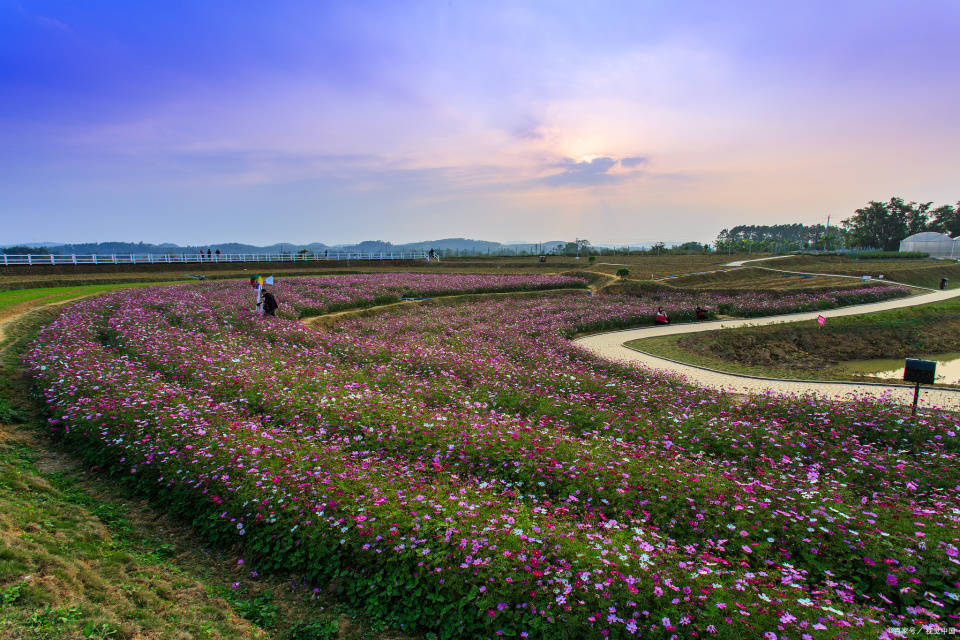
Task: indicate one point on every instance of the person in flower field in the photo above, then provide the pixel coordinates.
(270, 304)
(661, 317)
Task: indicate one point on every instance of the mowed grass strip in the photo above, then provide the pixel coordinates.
(15, 301)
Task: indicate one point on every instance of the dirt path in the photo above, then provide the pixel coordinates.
(611, 346)
(331, 318)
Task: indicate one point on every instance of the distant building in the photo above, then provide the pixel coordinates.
(938, 245)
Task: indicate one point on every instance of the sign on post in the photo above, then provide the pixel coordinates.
(920, 372)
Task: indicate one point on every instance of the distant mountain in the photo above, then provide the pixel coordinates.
(108, 248)
(457, 246)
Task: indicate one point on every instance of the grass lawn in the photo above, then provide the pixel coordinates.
(924, 272)
(17, 297)
(753, 278)
(650, 267)
(804, 350)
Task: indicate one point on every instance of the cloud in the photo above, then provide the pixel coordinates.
(633, 162)
(530, 130)
(52, 23)
(585, 173)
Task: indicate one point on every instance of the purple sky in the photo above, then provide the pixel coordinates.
(200, 122)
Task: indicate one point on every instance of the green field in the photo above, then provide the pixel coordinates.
(12, 298)
(753, 278)
(924, 273)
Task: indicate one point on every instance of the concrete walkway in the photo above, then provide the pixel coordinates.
(730, 266)
(611, 346)
(740, 263)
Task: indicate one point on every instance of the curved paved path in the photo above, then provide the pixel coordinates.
(611, 346)
(731, 266)
(740, 263)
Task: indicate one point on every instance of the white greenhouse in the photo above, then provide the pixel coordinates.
(938, 245)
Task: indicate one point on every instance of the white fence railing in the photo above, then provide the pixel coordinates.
(203, 258)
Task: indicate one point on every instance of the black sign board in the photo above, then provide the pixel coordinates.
(919, 371)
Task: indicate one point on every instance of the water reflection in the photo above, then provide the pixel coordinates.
(948, 369)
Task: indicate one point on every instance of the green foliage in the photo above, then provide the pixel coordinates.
(593, 259)
(882, 225)
(20, 250)
(52, 622)
(690, 248)
(946, 219)
(260, 610)
(891, 255)
(320, 629)
(9, 415)
(100, 630)
(777, 237)
(623, 272)
(10, 594)
(795, 234)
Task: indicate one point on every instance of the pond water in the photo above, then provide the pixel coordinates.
(948, 368)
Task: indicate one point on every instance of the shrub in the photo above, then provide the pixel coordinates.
(891, 255)
(9, 415)
(320, 629)
(623, 272)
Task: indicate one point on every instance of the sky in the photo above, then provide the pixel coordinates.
(199, 122)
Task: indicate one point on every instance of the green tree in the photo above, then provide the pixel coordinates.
(878, 225)
(691, 247)
(946, 219)
(913, 214)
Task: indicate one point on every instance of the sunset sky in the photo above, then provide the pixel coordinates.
(203, 122)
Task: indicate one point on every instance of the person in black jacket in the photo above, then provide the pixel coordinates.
(270, 304)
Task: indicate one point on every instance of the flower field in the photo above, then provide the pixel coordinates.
(463, 469)
(312, 296)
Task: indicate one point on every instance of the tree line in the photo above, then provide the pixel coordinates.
(882, 225)
(877, 225)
